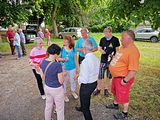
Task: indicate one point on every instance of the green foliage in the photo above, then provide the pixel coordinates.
(13, 13)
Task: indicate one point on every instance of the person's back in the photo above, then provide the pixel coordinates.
(51, 78)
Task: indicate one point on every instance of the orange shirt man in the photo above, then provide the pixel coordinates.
(123, 68)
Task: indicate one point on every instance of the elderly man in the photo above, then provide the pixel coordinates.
(10, 39)
(87, 78)
(22, 41)
(85, 36)
(123, 68)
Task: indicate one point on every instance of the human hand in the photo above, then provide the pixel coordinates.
(103, 52)
(122, 82)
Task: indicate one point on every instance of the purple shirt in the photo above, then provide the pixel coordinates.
(51, 78)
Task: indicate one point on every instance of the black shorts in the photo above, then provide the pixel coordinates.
(104, 67)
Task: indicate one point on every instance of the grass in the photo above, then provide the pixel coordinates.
(145, 93)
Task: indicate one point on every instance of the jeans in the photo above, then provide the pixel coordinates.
(70, 76)
(39, 82)
(18, 51)
(85, 95)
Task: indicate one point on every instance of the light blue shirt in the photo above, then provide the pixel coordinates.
(80, 44)
(16, 41)
(70, 64)
(108, 39)
(22, 37)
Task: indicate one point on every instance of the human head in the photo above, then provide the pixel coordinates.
(10, 28)
(107, 31)
(68, 41)
(40, 29)
(128, 37)
(38, 42)
(84, 32)
(19, 30)
(53, 49)
(46, 30)
(87, 46)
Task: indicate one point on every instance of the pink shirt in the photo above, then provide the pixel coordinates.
(48, 34)
(37, 55)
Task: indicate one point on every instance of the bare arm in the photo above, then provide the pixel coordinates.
(130, 75)
(117, 48)
(101, 50)
(76, 62)
(95, 49)
(79, 50)
(61, 78)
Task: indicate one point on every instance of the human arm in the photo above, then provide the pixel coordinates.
(101, 50)
(61, 77)
(130, 75)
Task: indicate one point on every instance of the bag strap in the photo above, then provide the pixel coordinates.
(44, 75)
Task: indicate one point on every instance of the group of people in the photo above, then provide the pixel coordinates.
(17, 40)
(60, 65)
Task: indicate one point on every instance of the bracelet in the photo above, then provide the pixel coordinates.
(124, 81)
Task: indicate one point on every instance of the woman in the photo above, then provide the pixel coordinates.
(37, 54)
(69, 55)
(54, 79)
(48, 37)
(16, 44)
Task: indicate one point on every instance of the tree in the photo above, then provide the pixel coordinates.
(136, 10)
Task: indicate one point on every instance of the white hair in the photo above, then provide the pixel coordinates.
(37, 40)
(88, 44)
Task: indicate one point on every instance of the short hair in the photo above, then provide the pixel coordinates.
(88, 44)
(37, 40)
(54, 49)
(84, 29)
(130, 33)
(107, 28)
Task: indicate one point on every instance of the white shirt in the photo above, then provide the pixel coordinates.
(16, 39)
(89, 69)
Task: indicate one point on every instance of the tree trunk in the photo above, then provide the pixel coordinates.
(54, 10)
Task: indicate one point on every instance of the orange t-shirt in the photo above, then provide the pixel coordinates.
(126, 59)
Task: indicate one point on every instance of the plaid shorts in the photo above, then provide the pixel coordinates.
(104, 67)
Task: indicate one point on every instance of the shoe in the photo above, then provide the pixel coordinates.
(112, 106)
(66, 99)
(120, 116)
(106, 93)
(43, 97)
(96, 92)
(75, 95)
(18, 58)
(78, 109)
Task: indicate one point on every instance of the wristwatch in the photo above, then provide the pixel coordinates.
(124, 81)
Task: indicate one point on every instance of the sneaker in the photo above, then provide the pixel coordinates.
(112, 106)
(106, 93)
(18, 58)
(66, 99)
(96, 92)
(43, 97)
(75, 95)
(120, 116)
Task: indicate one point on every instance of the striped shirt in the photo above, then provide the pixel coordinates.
(37, 55)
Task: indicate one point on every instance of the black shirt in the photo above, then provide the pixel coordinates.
(109, 46)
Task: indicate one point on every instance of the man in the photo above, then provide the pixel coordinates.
(123, 68)
(85, 36)
(10, 39)
(109, 45)
(22, 42)
(87, 79)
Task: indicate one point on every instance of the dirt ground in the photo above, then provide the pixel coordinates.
(20, 99)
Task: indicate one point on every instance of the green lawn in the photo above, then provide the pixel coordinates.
(145, 93)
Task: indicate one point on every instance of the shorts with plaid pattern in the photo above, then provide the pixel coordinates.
(104, 67)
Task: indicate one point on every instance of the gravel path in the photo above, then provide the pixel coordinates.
(20, 99)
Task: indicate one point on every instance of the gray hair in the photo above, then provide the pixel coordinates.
(88, 44)
(130, 33)
(37, 40)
